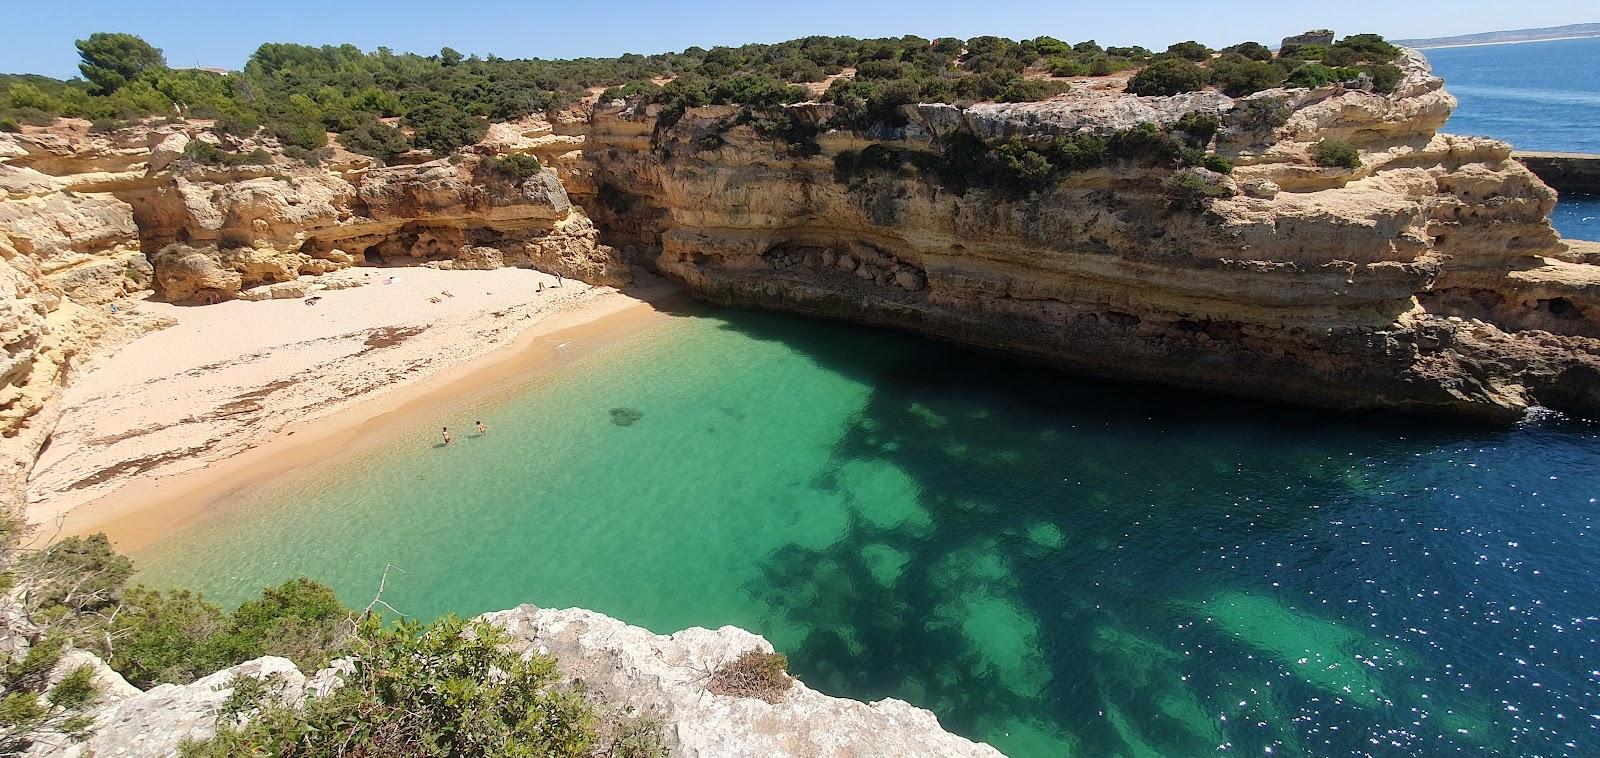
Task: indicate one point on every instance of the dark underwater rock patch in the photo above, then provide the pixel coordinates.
(626, 416)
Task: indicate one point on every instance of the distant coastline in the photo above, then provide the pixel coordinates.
(1509, 37)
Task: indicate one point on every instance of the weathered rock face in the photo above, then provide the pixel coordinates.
(666, 676)
(619, 664)
(88, 219)
(1427, 279)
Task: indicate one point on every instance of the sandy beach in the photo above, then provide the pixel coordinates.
(242, 390)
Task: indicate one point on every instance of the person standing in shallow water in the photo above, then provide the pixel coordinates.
(482, 428)
(446, 435)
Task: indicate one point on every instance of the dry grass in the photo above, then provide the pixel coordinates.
(753, 674)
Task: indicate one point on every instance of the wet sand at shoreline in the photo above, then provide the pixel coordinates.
(242, 393)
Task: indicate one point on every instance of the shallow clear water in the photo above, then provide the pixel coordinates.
(1054, 565)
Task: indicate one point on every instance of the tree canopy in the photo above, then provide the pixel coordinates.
(299, 93)
(112, 60)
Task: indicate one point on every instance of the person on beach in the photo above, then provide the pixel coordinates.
(558, 278)
(482, 428)
(447, 435)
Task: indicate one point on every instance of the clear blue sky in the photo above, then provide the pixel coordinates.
(39, 33)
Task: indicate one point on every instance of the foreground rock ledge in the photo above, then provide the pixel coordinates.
(664, 675)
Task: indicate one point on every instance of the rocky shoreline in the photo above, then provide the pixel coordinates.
(662, 676)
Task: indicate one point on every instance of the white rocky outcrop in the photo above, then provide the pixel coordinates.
(664, 676)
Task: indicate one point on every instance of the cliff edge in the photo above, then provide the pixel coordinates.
(1421, 275)
(663, 676)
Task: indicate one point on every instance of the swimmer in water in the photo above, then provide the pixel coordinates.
(446, 435)
(482, 428)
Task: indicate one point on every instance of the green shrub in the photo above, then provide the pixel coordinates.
(447, 689)
(518, 167)
(755, 91)
(33, 116)
(1369, 47)
(1238, 76)
(375, 138)
(308, 157)
(1144, 142)
(208, 154)
(1318, 75)
(1258, 115)
(107, 125)
(799, 135)
(1200, 127)
(1190, 50)
(880, 70)
(177, 636)
(862, 105)
(1021, 90)
(1169, 76)
(29, 709)
(440, 127)
(850, 164)
(1303, 52)
(1253, 50)
(1187, 191)
(1217, 163)
(77, 575)
(1334, 153)
(9, 124)
(237, 123)
(1385, 77)
(307, 134)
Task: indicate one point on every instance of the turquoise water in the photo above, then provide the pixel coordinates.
(1537, 96)
(1055, 565)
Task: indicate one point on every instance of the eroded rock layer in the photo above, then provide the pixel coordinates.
(1428, 278)
(87, 220)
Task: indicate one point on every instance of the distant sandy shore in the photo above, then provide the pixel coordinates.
(240, 392)
(1503, 42)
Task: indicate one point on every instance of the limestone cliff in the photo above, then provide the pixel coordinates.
(1427, 279)
(89, 219)
(662, 676)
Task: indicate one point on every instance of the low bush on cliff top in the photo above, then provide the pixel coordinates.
(449, 688)
(299, 93)
(1250, 67)
(446, 689)
(375, 138)
(517, 167)
(1335, 153)
(1017, 167)
(78, 592)
(208, 154)
(177, 636)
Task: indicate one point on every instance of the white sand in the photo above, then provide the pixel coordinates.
(231, 375)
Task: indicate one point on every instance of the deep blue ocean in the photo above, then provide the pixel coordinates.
(1537, 96)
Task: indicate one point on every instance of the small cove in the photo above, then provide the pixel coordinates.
(1051, 564)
